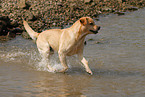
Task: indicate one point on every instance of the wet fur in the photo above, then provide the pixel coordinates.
(66, 42)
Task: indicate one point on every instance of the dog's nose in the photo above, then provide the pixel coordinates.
(99, 27)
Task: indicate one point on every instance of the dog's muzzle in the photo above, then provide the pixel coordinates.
(95, 32)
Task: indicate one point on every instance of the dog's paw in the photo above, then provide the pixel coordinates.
(51, 69)
(90, 72)
(63, 70)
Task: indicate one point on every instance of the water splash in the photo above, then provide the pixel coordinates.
(52, 66)
(14, 56)
(33, 59)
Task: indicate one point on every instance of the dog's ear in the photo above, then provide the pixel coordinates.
(83, 21)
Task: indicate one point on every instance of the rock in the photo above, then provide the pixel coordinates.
(16, 31)
(91, 39)
(2, 28)
(122, 1)
(60, 4)
(96, 15)
(14, 23)
(7, 37)
(7, 28)
(4, 25)
(88, 1)
(107, 9)
(21, 3)
(4, 38)
(29, 16)
(25, 35)
(97, 42)
(11, 35)
(119, 13)
(133, 8)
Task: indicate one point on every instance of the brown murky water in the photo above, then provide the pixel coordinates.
(117, 61)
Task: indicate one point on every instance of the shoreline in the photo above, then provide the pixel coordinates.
(43, 15)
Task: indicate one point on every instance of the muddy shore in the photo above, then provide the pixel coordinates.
(43, 14)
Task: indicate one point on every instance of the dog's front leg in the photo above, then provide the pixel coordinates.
(85, 63)
(62, 58)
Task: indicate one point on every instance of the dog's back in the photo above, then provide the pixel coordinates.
(51, 36)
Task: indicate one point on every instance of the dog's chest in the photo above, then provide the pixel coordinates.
(76, 48)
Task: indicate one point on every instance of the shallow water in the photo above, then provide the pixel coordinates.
(116, 56)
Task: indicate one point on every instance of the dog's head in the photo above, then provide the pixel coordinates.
(89, 26)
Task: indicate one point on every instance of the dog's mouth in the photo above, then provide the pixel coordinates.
(95, 32)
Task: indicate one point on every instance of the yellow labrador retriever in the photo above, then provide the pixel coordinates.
(66, 42)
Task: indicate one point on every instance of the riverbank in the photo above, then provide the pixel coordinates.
(43, 15)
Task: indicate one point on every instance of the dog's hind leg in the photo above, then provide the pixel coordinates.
(44, 50)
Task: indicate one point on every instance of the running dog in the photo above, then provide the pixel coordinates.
(66, 42)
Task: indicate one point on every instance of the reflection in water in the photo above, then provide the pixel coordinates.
(61, 87)
(116, 56)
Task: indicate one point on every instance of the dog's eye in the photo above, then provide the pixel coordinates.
(91, 23)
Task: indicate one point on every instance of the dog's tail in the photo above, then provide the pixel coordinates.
(34, 35)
